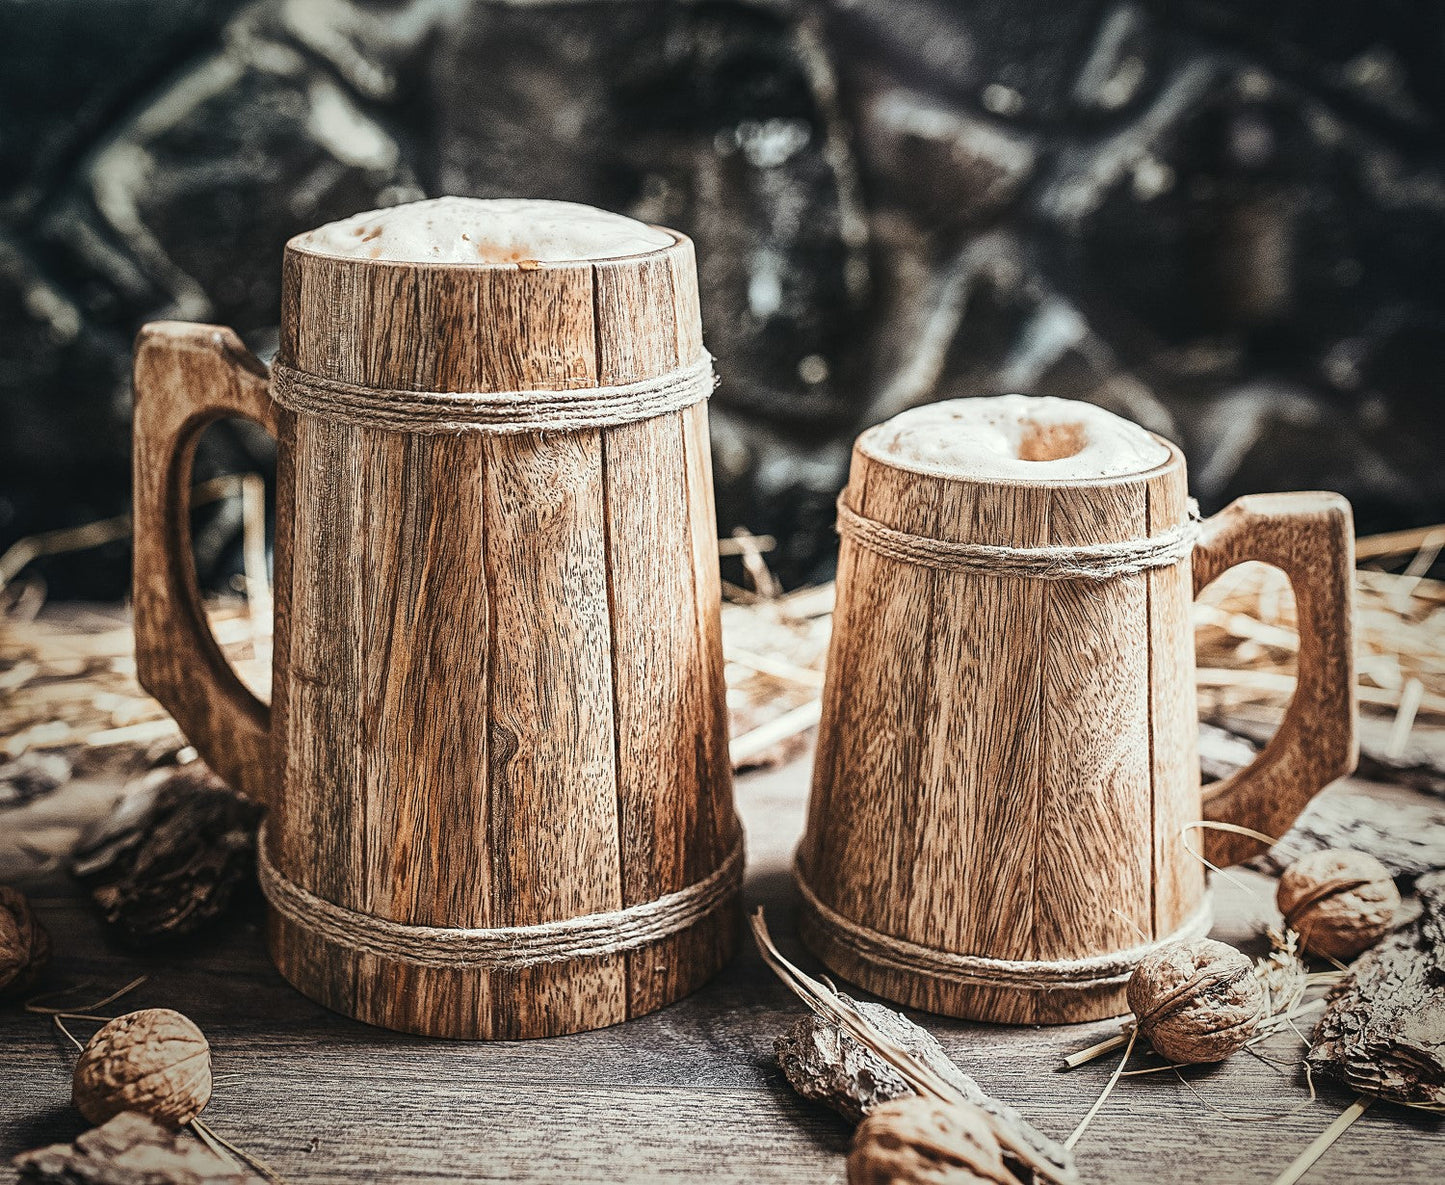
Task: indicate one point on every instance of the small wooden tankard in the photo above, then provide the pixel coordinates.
(1007, 765)
(495, 758)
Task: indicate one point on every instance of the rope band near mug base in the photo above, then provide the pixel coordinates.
(504, 947)
(494, 412)
(1096, 561)
(897, 954)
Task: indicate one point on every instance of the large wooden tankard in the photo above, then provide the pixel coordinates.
(495, 760)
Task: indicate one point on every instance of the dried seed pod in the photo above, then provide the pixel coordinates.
(920, 1141)
(24, 943)
(1339, 902)
(154, 1061)
(1196, 1001)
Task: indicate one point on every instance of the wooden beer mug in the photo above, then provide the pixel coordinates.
(1007, 760)
(495, 759)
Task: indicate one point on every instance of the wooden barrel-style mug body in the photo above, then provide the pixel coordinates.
(497, 697)
(1006, 766)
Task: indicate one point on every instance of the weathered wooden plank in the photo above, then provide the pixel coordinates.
(686, 1094)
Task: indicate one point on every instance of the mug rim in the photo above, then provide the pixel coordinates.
(294, 247)
(1175, 459)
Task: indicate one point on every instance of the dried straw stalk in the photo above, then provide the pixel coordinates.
(67, 679)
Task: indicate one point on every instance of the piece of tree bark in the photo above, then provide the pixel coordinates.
(1407, 838)
(1384, 1030)
(131, 1150)
(1222, 752)
(172, 857)
(1420, 765)
(825, 1064)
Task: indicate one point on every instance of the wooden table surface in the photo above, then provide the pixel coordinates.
(688, 1094)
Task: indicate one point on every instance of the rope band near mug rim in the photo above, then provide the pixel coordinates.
(898, 954)
(1094, 561)
(501, 948)
(494, 412)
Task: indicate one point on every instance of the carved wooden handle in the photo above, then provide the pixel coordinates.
(185, 377)
(1310, 537)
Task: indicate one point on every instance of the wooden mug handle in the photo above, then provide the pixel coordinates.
(1310, 537)
(187, 376)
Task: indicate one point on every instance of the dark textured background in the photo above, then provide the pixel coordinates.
(1224, 220)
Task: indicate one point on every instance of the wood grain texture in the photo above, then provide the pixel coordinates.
(691, 1093)
(498, 669)
(1006, 767)
(671, 834)
(1178, 878)
(1093, 882)
(1000, 800)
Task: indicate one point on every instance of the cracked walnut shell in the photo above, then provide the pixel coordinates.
(921, 1141)
(24, 944)
(1196, 1001)
(1340, 903)
(154, 1061)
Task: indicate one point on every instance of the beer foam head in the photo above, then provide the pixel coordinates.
(1014, 438)
(484, 230)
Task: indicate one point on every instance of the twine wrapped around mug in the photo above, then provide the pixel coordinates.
(1097, 561)
(503, 947)
(1033, 975)
(496, 412)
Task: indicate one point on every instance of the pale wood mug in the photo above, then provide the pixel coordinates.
(1007, 764)
(495, 758)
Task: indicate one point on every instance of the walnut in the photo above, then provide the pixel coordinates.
(1196, 1001)
(921, 1141)
(24, 943)
(154, 1061)
(1339, 902)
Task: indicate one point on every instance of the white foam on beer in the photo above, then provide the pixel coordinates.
(1014, 438)
(485, 230)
